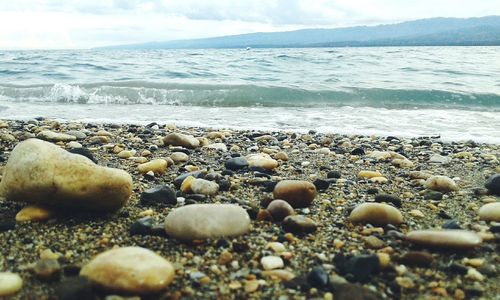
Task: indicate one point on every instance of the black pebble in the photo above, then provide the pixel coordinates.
(451, 224)
(236, 163)
(142, 226)
(159, 195)
(333, 174)
(433, 195)
(372, 191)
(318, 277)
(84, 152)
(358, 151)
(7, 224)
(360, 268)
(321, 184)
(389, 198)
(493, 184)
(75, 288)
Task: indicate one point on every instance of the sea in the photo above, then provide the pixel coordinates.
(448, 92)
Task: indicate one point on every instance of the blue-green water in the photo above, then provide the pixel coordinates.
(409, 91)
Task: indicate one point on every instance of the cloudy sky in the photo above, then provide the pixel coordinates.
(61, 24)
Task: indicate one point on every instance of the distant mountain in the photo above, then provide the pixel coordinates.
(425, 32)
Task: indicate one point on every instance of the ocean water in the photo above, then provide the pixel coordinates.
(452, 92)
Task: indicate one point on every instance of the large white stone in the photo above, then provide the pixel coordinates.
(41, 172)
(203, 221)
(10, 283)
(133, 270)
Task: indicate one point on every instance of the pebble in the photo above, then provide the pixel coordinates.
(236, 163)
(42, 172)
(490, 212)
(417, 258)
(47, 269)
(439, 159)
(318, 277)
(34, 213)
(297, 193)
(493, 184)
(51, 136)
(204, 221)
(360, 268)
(132, 270)
(74, 145)
(281, 156)
(142, 226)
(78, 134)
(376, 214)
(73, 288)
(389, 199)
(216, 146)
(448, 239)
(299, 224)
(10, 283)
(262, 160)
(373, 242)
(272, 262)
(280, 209)
(204, 187)
(441, 184)
(183, 140)
(433, 195)
(277, 247)
(158, 195)
(350, 291)
(158, 166)
(126, 154)
(369, 174)
(179, 157)
(284, 275)
(417, 213)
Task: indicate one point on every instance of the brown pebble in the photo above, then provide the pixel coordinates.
(280, 209)
(299, 224)
(373, 242)
(417, 258)
(297, 193)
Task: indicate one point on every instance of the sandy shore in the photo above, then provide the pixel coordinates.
(200, 273)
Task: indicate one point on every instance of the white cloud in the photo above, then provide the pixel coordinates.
(90, 23)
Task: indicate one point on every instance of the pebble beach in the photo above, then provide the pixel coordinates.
(124, 211)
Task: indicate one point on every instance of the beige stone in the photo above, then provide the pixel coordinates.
(262, 160)
(272, 262)
(132, 270)
(441, 183)
(369, 174)
(376, 214)
(55, 136)
(297, 193)
(41, 172)
(10, 283)
(179, 139)
(204, 221)
(490, 212)
(158, 166)
(204, 187)
(179, 157)
(34, 212)
(449, 239)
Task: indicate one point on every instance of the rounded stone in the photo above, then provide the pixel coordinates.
(493, 184)
(280, 209)
(299, 224)
(204, 187)
(262, 161)
(179, 157)
(55, 136)
(297, 193)
(376, 214)
(441, 184)
(448, 239)
(204, 221)
(369, 174)
(157, 166)
(236, 163)
(41, 172)
(34, 213)
(10, 283)
(490, 212)
(132, 270)
(179, 139)
(272, 262)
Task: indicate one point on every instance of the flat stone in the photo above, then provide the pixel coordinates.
(441, 184)
(216, 146)
(132, 270)
(297, 193)
(299, 224)
(183, 140)
(78, 134)
(376, 214)
(10, 283)
(439, 159)
(159, 195)
(417, 258)
(490, 212)
(236, 163)
(51, 136)
(389, 199)
(283, 275)
(204, 187)
(447, 239)
(204, 221)
(41, 172)
(272, 262)
(369, 174)
(158, 166)
(34, 212)
(349, 291)
(493, 184)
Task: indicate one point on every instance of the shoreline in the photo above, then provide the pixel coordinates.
(77, 237)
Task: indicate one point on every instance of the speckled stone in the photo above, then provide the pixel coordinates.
(204, 221)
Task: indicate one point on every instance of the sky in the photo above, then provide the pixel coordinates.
(81, 24)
